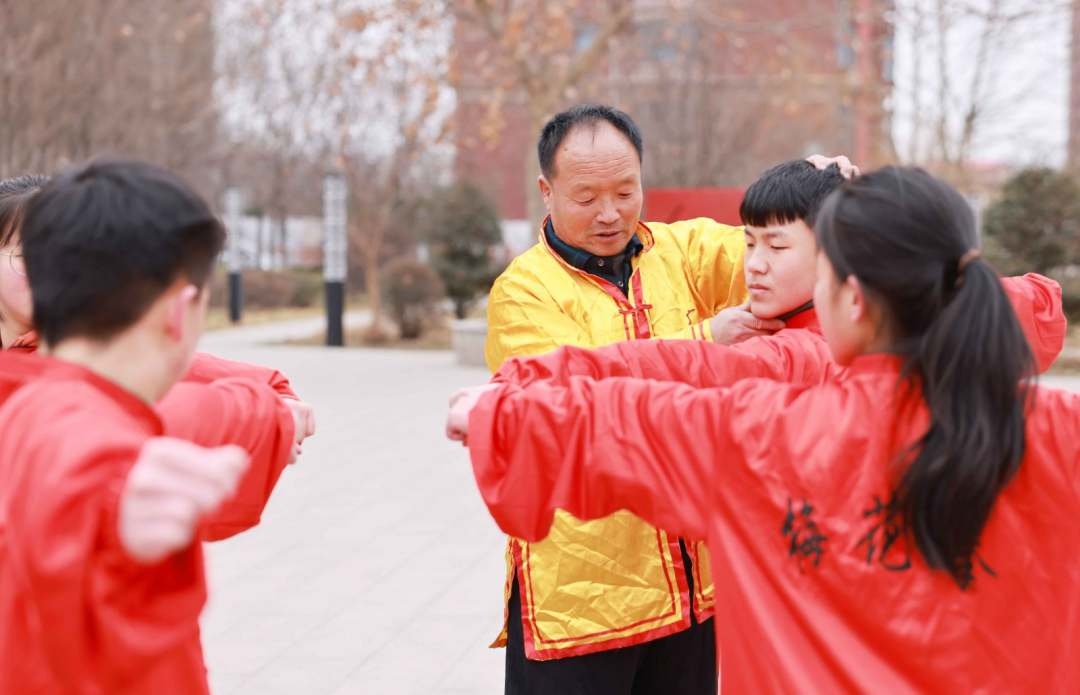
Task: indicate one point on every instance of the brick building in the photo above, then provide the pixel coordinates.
(721, 90)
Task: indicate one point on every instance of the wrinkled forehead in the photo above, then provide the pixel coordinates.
(597, 151)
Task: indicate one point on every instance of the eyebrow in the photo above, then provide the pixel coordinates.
(767, 234)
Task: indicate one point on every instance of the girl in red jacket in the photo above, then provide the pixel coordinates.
(905, 526)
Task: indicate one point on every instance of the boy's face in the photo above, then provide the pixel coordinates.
(780, 267)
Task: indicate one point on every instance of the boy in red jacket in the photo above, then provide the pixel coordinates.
(99, 513)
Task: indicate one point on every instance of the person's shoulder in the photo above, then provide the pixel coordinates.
(530, 261)
(66, 409)
(535, 267)
(52, 430)
(1054, 409)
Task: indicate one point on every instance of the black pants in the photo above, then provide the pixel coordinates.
(679, 664)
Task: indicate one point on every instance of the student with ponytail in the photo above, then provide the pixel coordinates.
(907, 525)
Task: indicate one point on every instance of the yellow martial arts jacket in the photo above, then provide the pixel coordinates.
(613, 582)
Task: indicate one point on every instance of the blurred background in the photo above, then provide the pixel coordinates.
(430, 111)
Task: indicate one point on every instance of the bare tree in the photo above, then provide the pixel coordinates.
(277, 83)
(388, 104)
(116, 76)
(540, 52)
(963, 83)
(359, 85)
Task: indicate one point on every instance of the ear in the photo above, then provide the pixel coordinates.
(855, 302)
(545, 191)
(181, 304)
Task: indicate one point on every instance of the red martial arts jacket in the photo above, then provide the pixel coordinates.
(217, 402)
(77, 615)
(820, 588)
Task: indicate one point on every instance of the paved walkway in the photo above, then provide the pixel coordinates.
(376, 568)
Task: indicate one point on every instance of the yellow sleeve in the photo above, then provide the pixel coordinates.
(520, 323)
(700, 331)
(714, 253)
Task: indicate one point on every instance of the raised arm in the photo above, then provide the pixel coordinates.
(793, 355)
(107, 617)
(714, 259)
(247, 414)
(206, 368)
(594, 447)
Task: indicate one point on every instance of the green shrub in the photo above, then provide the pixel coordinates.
(412, 291)
(461, 227)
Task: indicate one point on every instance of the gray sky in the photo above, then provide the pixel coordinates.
(1025, 98)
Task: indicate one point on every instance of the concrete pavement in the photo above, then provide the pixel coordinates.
(376, 568)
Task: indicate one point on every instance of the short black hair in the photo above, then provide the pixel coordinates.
(104, 240)
(788, 192)
(15, 193)
(560, 125)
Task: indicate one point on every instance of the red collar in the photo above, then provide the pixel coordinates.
(807, 318)
(131, 404)
(27, 342)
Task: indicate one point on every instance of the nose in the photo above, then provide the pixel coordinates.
(755, 262)
(608, 213)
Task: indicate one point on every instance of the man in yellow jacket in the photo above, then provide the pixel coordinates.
(612, 606)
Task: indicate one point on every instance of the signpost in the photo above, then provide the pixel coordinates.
(334, 255)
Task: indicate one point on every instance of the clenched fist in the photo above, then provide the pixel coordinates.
(461, 406)
(304, 420)
(173, 485)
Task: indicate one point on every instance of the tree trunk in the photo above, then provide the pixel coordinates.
(534, 204)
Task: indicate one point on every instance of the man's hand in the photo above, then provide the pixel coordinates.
(847, 169)
(304, 420)
(736, 324)
(461, 405)
(173, 485)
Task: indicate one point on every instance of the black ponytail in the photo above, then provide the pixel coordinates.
(909, 239)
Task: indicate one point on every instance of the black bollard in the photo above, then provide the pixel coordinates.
(236, 296)
(335, 309)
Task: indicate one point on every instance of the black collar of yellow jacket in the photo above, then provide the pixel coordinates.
(615, 269)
